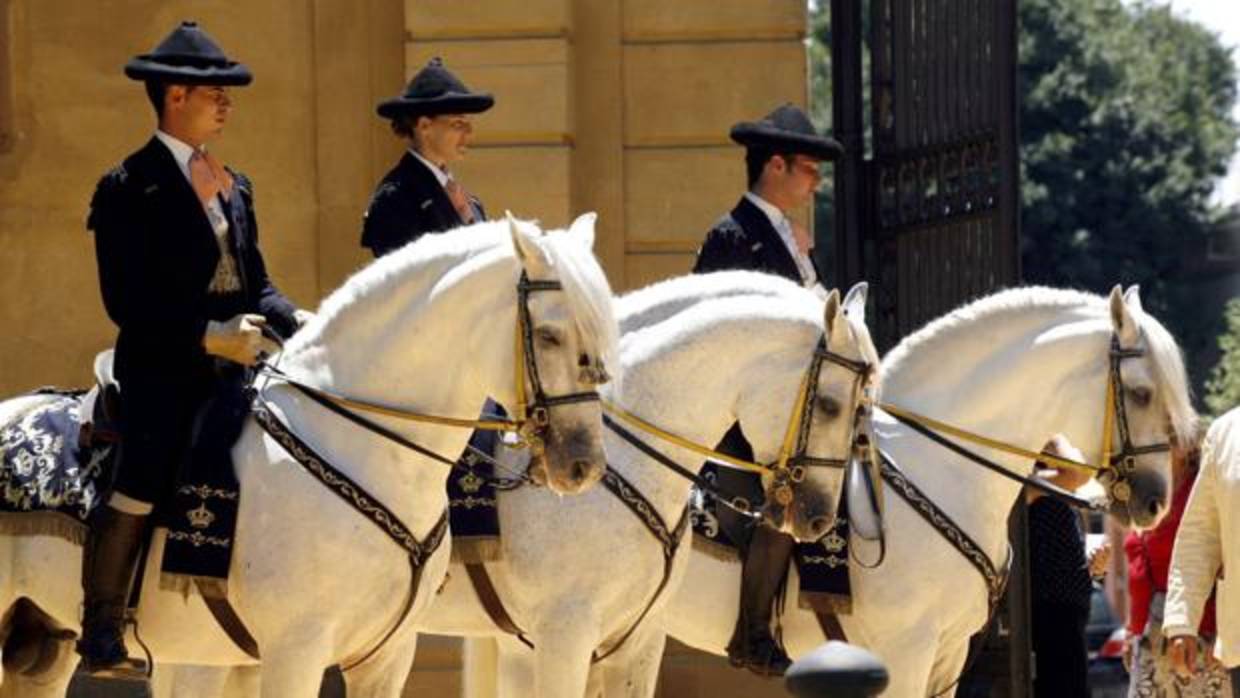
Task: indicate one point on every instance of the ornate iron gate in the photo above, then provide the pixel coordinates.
(929, 216)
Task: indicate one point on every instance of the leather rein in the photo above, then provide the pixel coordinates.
(532, 427)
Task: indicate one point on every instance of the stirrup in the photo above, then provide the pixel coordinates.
(763, 657)
(127, 669)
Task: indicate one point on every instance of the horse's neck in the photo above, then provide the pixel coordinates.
(1017, 391)
(433, 357)
(689, 385)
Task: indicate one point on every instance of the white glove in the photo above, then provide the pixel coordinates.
(301, 317)
(240, 339)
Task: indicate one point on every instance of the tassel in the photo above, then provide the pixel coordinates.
(43, 523)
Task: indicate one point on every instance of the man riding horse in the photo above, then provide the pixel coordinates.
(782, 157)
(181, 275)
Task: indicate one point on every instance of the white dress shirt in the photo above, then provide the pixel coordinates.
(783, 226)
(440, 174)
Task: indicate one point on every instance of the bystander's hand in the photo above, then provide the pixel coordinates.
(1182, 651)
(1130, 650)
(1099, 557)
(239, 339)
(1069, 479)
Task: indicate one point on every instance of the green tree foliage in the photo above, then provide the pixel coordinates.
(1223, 389)
(1125, 128)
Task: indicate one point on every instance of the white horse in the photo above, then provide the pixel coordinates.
(586, 577)
(429, 328)
(1019, 365)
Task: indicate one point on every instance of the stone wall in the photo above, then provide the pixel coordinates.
(616, 106)
(305, 132)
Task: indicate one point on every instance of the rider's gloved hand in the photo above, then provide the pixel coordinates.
(239, 339)
(301, 317)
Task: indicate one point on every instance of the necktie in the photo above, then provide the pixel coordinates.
(460, 200)
(208, 177)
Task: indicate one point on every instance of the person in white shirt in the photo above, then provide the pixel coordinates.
(1207, 551)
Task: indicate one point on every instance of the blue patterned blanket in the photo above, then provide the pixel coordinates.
(49, 482)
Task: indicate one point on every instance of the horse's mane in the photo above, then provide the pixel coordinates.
(741, 294)
(433, 256)
(659, 301)
(1167, 361)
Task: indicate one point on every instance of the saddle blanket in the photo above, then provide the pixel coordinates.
(822, 566)
(472, 514)
(51, 479)
(48, 481)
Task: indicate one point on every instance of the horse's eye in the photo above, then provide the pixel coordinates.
(583, 360)
(829, 406)
(1140, 397)
(548, 336)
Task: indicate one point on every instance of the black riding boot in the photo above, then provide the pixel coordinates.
(752, 645)
(108, 563)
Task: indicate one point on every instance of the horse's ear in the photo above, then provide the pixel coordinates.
(854, 301)
(832, 312)
(583, 229)
(528, 253)
(1132, 299)
(1124, 316)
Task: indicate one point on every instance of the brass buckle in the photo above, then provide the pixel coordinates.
(540, 416)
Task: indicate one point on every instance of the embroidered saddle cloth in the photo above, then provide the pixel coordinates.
(472, 513)
(57, 460)
(49, 479)
(822, 566)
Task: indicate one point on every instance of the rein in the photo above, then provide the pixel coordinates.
(1115, 469)
(789, 467)
(531, 427)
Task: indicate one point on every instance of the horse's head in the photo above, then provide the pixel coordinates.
(565, 348)
(806, 481)
(1147, 406)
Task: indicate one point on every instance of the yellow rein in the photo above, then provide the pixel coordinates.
(512, 425)
(785, 452)
(1003, 446)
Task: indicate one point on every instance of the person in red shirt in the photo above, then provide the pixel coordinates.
(1149, 558)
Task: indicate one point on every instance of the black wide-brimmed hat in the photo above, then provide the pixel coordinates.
(435, 90)
(188, 56)
(786, 130)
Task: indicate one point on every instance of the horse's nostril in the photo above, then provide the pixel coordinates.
(819, 525)
(581, 470)
(1153, 506)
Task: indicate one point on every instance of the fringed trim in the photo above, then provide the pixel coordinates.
(475, 549)
(825, 602)
(43, 523)
(183, 584)
(719, 551)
